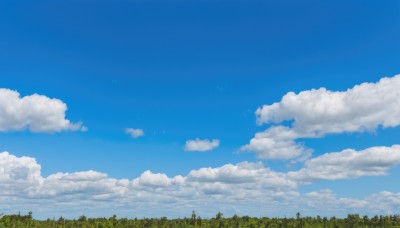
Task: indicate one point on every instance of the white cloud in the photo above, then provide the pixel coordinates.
(250, 174)
(277, 143)
(226, 174)
(364, 107)
(14, 168)
(134, 133)
(24, 186)
(88, 185)
(328, 203)
(385, 201)
(201, 145)
(36, 113)
(316, 113)
(153, 179)
(347, 164)
(326, 199)
(243, 188)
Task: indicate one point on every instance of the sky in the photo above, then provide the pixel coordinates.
(158, 108)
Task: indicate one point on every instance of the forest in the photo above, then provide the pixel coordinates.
(352, 220)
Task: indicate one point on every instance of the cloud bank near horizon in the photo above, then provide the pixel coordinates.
(231, 188)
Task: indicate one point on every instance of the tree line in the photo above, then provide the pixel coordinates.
(351, 221)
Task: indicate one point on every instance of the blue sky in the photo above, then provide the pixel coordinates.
(187, 70)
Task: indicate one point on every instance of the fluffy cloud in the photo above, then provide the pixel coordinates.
(226, 174)
(36, 113)
(23, 186)
(134, 133)
(153, 179)
(347, 164)
(207, 190)
(90, 185)
(18, 175)
(315, 113)
(250, 174)
(201, 145)
(277, 143)
(364, 107)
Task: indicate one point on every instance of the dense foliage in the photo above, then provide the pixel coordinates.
(352, 220)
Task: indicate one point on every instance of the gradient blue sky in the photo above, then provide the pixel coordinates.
(182, 70)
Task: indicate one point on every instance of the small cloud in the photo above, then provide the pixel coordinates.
(134, 133)
(201, 144)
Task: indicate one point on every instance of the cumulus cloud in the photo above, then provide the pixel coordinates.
(243, 173)
(226, 174)
(277, 143)
(347, 164)
(18, 174)
(36, 113)
(201, 145)
(22, 183)
(317, 112)
(246, 186)
(153, 179)
(134, 133)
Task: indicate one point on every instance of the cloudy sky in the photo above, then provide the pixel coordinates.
(157, 108)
